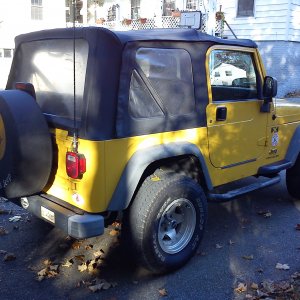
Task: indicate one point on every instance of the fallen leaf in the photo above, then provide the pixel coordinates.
(49, 272)
(268, 286)
(248, 296)
(47, 262)
(297, 227)
(82, 267)
(4, 212)
(254, 286)
(280, 266)
(241, 288)
(248, 257)
(9, 257)
(117, 225)
(15, 219)
(114, 232)
(96, 287)
(218, 246)
(163, 292)
(40, 278)
(68, 263)
(89, 247)
(3, 252)
(283, 285)
(76, 245)
(268, 215)
(135, 282)
(230, 242)
(42, 272)
(3, 231)
(101, 285)
(155, 178)
(54, 268)
(296, 275)
(80, 258)
(97, 253)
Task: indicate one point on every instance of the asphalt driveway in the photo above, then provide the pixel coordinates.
(244, 241)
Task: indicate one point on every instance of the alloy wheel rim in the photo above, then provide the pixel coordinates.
(176, 226)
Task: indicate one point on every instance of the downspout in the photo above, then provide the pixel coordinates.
(287, 22)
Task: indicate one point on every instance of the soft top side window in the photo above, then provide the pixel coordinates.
(167, 75)
(232, 75)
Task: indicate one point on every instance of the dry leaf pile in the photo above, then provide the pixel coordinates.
(96, 285)
(283, 290)
(50, 270)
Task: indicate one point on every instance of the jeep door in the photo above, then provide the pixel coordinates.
(236, 126)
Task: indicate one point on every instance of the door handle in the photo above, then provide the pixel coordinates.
(221, 113)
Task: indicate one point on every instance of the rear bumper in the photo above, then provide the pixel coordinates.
(77, 225)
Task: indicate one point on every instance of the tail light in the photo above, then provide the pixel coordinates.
(26, 87)
(75, 165)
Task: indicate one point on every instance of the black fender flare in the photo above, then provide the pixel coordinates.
(294, 147)
(138, 163)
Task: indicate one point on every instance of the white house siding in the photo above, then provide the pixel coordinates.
(282, 61)
(15, 19)
(268, 23)
(294, 21)
(276, 29)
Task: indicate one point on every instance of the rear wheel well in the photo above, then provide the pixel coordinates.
(188, 165)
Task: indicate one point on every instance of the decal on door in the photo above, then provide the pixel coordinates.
(275, 136)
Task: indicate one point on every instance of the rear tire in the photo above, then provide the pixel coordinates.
(166, 221)
(293, 179)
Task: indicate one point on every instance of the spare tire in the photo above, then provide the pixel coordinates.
(25, 145)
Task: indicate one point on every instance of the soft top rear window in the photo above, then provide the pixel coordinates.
(48, 65)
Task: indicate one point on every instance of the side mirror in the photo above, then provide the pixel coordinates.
(269, 88)
(269, 91)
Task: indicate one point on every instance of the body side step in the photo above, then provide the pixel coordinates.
(243, 190)
(275, 167)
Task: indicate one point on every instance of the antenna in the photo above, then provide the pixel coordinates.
(75, 137)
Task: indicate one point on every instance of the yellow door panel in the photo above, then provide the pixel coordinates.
(241, 137)
(237, 129)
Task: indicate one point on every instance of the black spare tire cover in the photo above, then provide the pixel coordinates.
(25, 145)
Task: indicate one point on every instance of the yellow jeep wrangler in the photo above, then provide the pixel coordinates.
(94, 123)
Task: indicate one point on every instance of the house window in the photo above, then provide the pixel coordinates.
(169, 6)
(192, 4)
(7, 53)
(245, 8)
(73, 12)
(36, 9)
(135, 9)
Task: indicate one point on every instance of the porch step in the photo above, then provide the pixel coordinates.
(214, 197)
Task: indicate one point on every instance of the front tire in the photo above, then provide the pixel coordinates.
(293, 179)
(166, 221)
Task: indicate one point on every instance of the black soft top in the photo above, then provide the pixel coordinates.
(110, 65)
(176, 35)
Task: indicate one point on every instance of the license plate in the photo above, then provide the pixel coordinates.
(48, 214)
